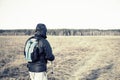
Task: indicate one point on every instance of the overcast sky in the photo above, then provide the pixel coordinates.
(75, 14)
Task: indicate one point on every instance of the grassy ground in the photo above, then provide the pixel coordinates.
(77, 58)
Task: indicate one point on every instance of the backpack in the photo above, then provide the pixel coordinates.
(31, 50)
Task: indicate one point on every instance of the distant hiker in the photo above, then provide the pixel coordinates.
(37, 52)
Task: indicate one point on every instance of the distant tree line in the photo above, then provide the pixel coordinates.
(64, 32)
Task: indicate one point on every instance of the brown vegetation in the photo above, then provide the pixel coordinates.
(77, 58)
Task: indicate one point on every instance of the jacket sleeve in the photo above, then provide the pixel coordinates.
(48, 50)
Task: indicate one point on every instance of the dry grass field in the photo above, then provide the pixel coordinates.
(77, 58)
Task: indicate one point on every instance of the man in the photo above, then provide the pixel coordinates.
(37, 70)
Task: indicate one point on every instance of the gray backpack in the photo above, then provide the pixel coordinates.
(31, 49)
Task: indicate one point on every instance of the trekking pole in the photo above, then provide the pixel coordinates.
(52, 67)
(52, 72)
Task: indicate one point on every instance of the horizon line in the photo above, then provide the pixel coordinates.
(64, 28)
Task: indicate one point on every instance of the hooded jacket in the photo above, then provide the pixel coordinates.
(45, 50)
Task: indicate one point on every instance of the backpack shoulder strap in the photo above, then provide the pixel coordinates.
(39, 40)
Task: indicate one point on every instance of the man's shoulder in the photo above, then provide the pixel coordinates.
(43, 41)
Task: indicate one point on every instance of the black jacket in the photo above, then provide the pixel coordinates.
(45, 49)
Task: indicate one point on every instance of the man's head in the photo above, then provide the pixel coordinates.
(41, 30)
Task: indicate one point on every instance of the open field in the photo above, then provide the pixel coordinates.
(77, 58)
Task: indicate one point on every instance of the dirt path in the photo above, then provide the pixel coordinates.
(98, 64)
(84, 66)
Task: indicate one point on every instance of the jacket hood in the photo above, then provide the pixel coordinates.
(41, 30)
